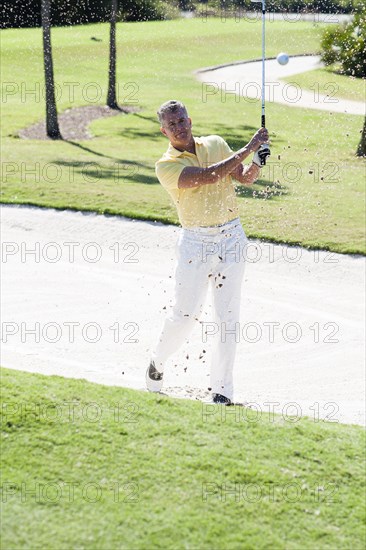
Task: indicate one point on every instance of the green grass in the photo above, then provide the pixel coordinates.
(328, 82)
(145, 462)
(312, 196)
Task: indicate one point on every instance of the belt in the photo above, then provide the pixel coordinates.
(213, 228)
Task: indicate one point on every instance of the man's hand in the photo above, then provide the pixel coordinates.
(260, 137)
(260, 156)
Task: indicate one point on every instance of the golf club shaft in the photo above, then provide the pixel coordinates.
(263, 62)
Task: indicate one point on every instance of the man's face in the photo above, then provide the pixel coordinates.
(177, 127)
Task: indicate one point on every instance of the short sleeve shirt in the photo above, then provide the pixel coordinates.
(205, 205)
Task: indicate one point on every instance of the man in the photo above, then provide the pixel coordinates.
(197, 173)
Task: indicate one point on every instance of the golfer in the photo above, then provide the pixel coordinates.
(197, 173)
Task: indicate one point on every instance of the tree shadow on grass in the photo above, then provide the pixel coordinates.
(226, 131)
(118, 172)
(136, 134)
(240, 135)
(262, 190)
(119, 169)
(93, 152)
(153, 119)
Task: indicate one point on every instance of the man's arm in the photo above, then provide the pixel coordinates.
(194, 177)
(247, 174)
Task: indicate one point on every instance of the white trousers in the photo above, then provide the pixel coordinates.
(207, 257)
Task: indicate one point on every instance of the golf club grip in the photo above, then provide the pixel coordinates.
(263, 121)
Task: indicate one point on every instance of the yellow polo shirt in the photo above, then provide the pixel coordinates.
(205, 205)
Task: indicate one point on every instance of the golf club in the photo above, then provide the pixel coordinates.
(263, 151)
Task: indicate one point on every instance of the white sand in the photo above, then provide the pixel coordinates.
(322, 378)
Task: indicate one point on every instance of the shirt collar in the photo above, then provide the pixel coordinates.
(173, 152)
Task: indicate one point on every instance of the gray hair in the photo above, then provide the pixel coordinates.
(170, 106)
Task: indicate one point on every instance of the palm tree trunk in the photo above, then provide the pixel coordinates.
(361, 150)
(111, 97)
(52, 128)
